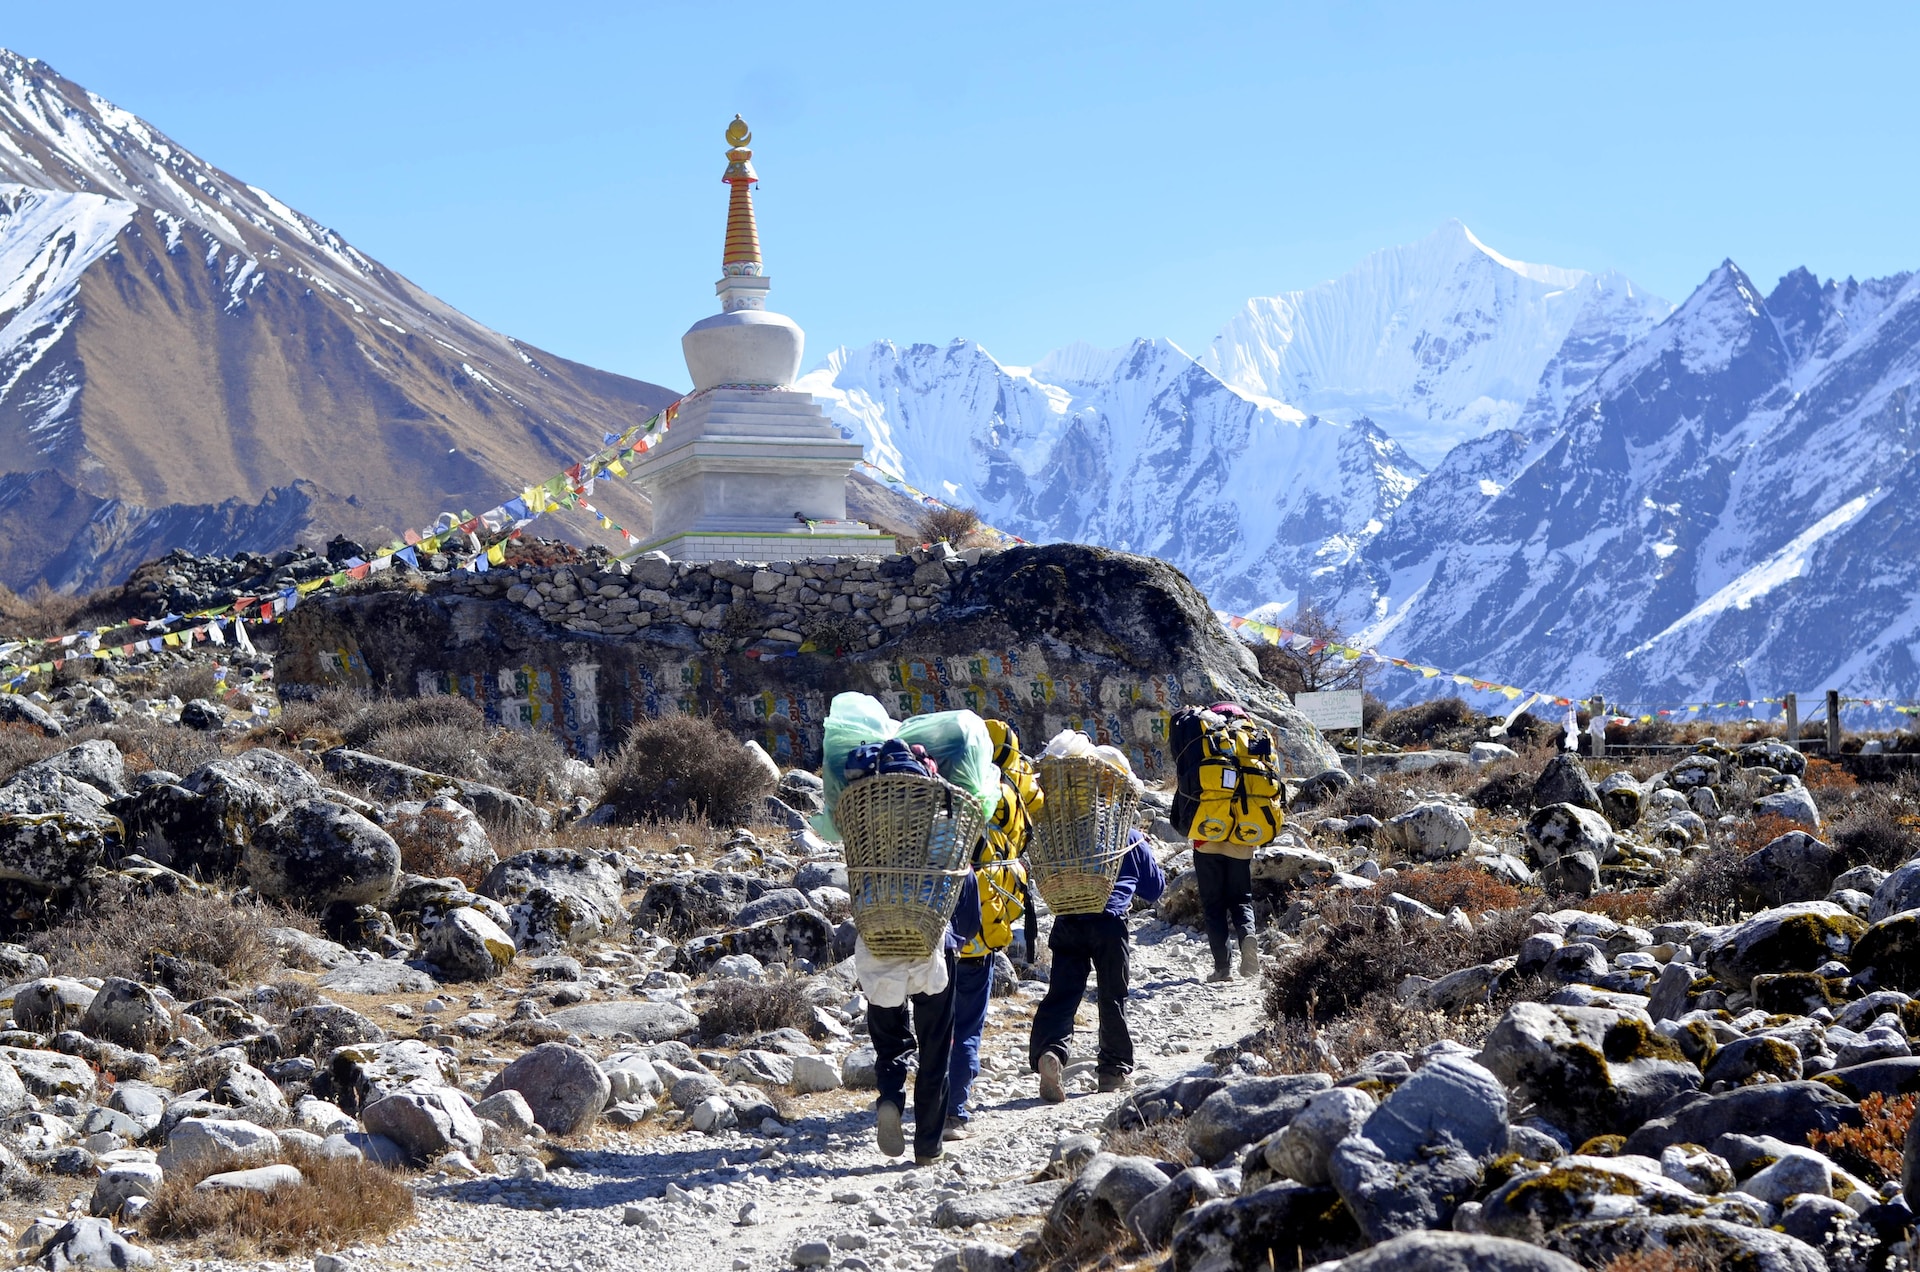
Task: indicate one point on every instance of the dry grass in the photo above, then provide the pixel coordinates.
(1707, 888)
(41, 612)
(22, 744)
(148, 745)
(195, 680)
(1879, 826)
(1874, 1149)
(1635, 906)
(340, 1202)
(1443, 887)
(196, 943)
(1163, 1141)
(680, 767)
(430, 846)
(446, 749)
(741, 1008)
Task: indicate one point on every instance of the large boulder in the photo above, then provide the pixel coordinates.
(1788, 938)
(1622, 800)
(236, 794)
(1579, 1187)
(426, 1122)
(1564, 781)
(1428, 832)
(637, 1018)
(1795, 804)
(1562, 830)
(1793, 867)
(217, 1144)
(127, 1014)
(1420, 1153)
(1701, 1241)
(1888, 952)
(317, 854)
(54, 832)
(1303, 1147)
(1774, 754)
(443, 834)
(393, 780)
(96, 763)
(803, 936)
(1787, 1110)
(563, 1086)
(555, 897)
(17, 710)
(1587, 1070)
(1248, 1110)
(1280, 1225)
(1453, 1252)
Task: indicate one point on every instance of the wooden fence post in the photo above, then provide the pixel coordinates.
(1791, 705)
(1833, 725)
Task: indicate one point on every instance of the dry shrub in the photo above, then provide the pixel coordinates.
(1504, 790)
(322, 717)
(1826, 777)
(1632, 906)
(1376, 798)
(1875, 831)
(195, 680)
(676, 768)
(1755, 834)
(22, 744)
(1434, 723)
(740, 1008)
(445, 749)
(41, 612)
(530, 764)
(1301, 671)
(1688, 1258)
(1443, 887)
(383, 715)
(1337, 1047)
(1359, 951)
(340, 1202)
(430, 846)
(125, 930)
(1874, 1149)
(957, 526)
(1707, 888)
(149, 745)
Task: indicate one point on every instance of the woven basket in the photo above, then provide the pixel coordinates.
(1080, 836)
(909, 847)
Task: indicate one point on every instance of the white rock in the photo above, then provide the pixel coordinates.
(260, 1179)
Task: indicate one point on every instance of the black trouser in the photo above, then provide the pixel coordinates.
(1226, 898)
(893, 1040)
(1083, 944)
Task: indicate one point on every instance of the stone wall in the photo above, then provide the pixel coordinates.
(1053, 637)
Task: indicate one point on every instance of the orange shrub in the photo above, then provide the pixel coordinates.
(1761, 831)
(1443, 887)
(1623, 907)
(1825, 775)
(1872, 1149)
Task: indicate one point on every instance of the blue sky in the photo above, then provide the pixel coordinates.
(1024, 175)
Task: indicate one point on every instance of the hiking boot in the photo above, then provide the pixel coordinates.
(955, 1130)
(928, 1159)
(1222, 972)
(1249, 956)
(1112, 1082)
(1053, 1082)
(886, 1125)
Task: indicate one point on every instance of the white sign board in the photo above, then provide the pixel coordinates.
(1339, 709)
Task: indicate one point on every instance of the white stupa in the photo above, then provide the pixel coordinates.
(751, 469)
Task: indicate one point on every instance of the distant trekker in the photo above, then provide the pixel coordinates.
(1228, 797)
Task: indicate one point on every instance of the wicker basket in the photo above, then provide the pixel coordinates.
(909, 847)
(1080, 836)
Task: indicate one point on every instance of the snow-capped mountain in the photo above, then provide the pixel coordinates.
(1139, 448)
(1435, 342)
(186, 361)
(1728, 511)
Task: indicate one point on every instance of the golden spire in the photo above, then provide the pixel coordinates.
(742, 252)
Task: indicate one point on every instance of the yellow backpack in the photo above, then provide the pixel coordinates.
(998, 871)
(1236, 783)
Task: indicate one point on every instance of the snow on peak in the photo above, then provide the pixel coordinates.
(1436, 341)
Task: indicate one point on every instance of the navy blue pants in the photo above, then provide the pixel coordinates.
(972, 985)
(893, 1030)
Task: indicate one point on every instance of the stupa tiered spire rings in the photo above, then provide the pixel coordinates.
(753, 469)
(742, 252)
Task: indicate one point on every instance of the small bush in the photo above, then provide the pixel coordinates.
(1751, 836)
(208, 939)
(149, 745)
(195, 680)
(1707, 888)
(1824, 777)
(340, 1202)
(530, 764)
(323, 717)
(430, 846)
(1874, 1149)
(22, 744)
(1162, 1141)
(1443, 887)
(1505, 790)
(1359, 951)
(957, 526)
(739, 1008)
(1432, 723)
(382, 715)
(1633, 906)
(446, 749)
(1876, 833)
(680, 767)
(1374, 798)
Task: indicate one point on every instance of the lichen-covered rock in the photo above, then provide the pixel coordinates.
(803, 936)
(237, 794)
(1564, 781)
(47, 1074)
(1795, 804)
(1428, 832)
(555, 897)
(1577, 1188)
(1788, 938)
(391, 779)
(1587, 1070)
(1744, 1059)
(1264, 1228)
(1793, 867)
(50, 1004)
(1622, 800)
(1302, 1148)
(1774, 754)
(1560, 830)
(1717, 1242)
(217, 1143)
(1888, 953)
(1452, 1252)
(1788, 1110)
(317, 854)
(126, 1013)
(467, 945)
(96, 763)
(424, 1121)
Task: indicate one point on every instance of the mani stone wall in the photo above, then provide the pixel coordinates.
(1049, 638)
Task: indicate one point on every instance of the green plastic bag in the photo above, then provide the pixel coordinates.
(956, 740)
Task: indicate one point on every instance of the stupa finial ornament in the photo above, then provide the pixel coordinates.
(741, 255)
